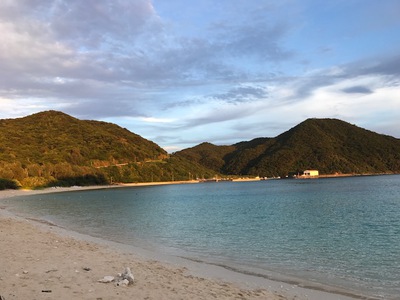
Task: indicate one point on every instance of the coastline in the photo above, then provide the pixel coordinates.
(27, 192)
(41, 256)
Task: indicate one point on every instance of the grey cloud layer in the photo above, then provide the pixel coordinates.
(242, 94)
(77, 49)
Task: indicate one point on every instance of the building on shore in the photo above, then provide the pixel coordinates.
(311, 173)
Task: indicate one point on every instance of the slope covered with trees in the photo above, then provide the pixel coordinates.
(329, 145)
(53, 148)
(55, 137)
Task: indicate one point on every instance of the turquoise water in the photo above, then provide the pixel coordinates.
(341, 232)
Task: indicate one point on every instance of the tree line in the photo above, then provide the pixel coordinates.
(16, 174)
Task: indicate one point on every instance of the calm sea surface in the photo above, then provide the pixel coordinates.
(342, 232)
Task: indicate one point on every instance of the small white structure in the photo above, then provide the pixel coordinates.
(311, 173)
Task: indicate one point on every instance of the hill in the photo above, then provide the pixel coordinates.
(329, 145)
(55, 137)
(53, 148)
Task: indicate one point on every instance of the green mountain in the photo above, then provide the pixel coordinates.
(329, 145)
(55, 137)
(53, 148)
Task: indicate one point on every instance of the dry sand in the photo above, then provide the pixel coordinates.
(41, 261)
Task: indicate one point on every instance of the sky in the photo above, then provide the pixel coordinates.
(181, 72)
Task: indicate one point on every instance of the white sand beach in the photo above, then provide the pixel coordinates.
(42, 261)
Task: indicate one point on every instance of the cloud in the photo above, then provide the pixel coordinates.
(363, 77)
(214, 114)
(242, 94)
(156, 120)
(94, 22)
(389, 65)
(75, 50)
(259, 40)
(84, 24)
(357, 90)
(76, 54)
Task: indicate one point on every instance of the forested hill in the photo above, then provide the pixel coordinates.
(55, 137)
(53, 148)
(329, 145)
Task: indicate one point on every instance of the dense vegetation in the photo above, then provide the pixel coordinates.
(55, 149)
(208, 155)
(329, 145)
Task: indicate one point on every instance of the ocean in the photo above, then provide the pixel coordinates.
(340, 233)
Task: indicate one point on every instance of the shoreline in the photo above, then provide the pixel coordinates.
(222, 279)
(27, 192)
